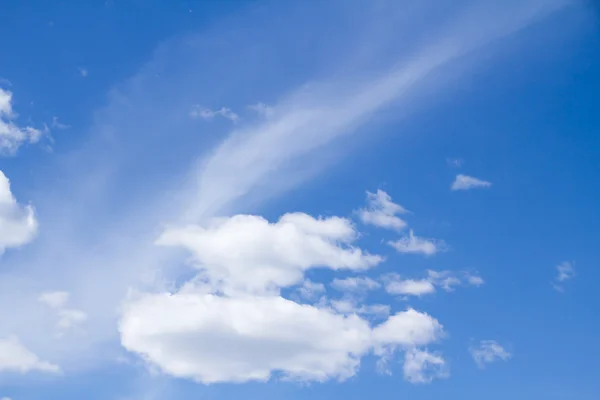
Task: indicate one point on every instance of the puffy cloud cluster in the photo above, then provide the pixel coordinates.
(231, 324)
(12, 136)
(381, 211)
(487, 352)
(18, 224)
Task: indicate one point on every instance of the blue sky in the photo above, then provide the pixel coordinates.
(268, 200)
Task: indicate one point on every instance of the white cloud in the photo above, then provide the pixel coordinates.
(488, 351)
(13, 136)
(423, 367)
(464, 182)
(220, 339)
(18, 224)
(355, 284)
(565, 272)
(198, 111)
(382, 212)
(411, 244)
(249, 254)
(14, 357)
(447, 280)
(68, 318)
(83, 72)
(6, 398)
(397, 286)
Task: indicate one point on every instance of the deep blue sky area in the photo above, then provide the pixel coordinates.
(266, 200)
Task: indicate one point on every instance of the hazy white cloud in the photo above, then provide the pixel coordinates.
(83, 72)
(351, 306)
(250, 254)
(411, 244)
(421, 366)
(311, 290)
(565, 271)
(15, 357)
(12, 136)
(355, 284)
(68, 318)
(18, 225)
(448, 280)
(56, 299)
(455, 162)
(198, 111)
(212, 338)
(464, 182)
(488, 351)
(262, 109)
(381, 211)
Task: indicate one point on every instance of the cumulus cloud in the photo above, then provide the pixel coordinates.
(18, 224)
(355, 284)
(487, 352)
(412, 244)
(250, 254)
(565, 271)
(212, 338)
(12, 136)
(15, 357)
(198, 111)
(381, 211)
(464, 182)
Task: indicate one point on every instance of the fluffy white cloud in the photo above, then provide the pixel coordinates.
(397, 286)
(246, 253)
(18, 224)
(422, 367)
(355, 284)
(464, 182)
(212, 338)
(488, 351)
(13, 136)
(381, 211)
(15, 357)
(565, 271)
(411, 244)
(68, 318)
(206, 113)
